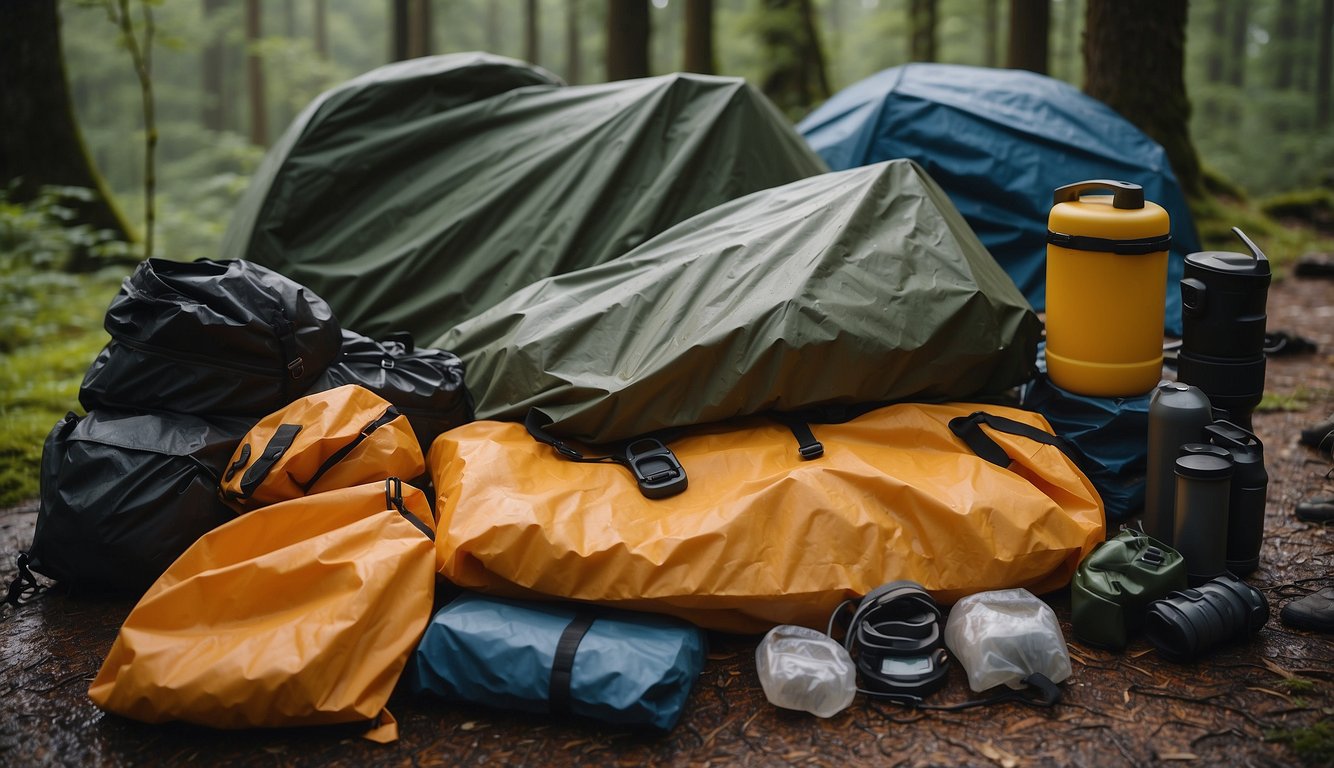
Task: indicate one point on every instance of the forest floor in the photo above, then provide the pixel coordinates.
(1266, 701)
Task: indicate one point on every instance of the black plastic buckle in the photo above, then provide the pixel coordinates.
(297, 368)
(811, 450)
(655, 468)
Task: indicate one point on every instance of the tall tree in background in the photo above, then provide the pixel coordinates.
(411, 25)
(255, 90)
(214, 62)
(573, 48)
(1241, 29)
(531, 28)
(699, 37)
(795, 79)
(321, 25)
(1134, 61)
(1324, 62)
(991, 12)
(627, 39)
(1030, 27)
(40, 142)
(1284, 45)
(922, 23)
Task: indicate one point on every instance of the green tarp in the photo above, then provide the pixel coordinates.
(424, 192)
(859, 286)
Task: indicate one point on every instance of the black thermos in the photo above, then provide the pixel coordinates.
(1246, 498)
(1223, 299)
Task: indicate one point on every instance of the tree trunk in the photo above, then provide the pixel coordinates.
(922, 30)
(259, 113)
(1030, 24)
(573, 49)
(627, 39)
(1284, 45)
(1324, 63)
(321, 29)
(1134, 61)
(531, 37)
(991, 14)
(420, 41)
(1241, 29)
(211, 113)
(400, 29)
(796, 77)
(1216, 60)
(40, 142)
(699, 37)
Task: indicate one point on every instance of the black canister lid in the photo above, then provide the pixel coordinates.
(1204, 449)
(1204, 466)
(1228, 263)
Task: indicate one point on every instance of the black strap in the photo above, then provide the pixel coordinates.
(969, 430)
(562, 666)
(24, 588)
(807, 446)
(393, 499)
(1138, 246)
(282, 439)
(389, 415)
(656, 469)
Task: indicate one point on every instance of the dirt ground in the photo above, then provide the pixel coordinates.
(1269, 701)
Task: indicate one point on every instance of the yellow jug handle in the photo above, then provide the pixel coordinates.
(1125, 195)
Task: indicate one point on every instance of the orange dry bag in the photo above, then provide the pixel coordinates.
(334, 439)
(300, 613)
(766, 533)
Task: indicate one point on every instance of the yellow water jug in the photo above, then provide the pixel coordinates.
(1106, 289)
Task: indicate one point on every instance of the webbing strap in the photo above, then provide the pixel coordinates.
(969, 430)
(282, 439)
(389, 415)
(393, 499)
(562, 666)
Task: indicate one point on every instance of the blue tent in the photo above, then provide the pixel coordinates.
(999, 141)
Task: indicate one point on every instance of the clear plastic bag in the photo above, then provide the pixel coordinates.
(1002, 637)
(806, 670)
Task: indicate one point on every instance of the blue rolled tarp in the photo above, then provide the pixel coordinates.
(999, 141)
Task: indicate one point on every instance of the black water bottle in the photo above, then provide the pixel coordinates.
(1223, 298)
(1246, 498)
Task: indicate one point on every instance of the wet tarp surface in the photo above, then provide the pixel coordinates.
(417, 195)
(846, 288)
(999, 141)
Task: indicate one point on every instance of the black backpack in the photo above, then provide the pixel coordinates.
(124, 494)
(210, 338)
(426, 385)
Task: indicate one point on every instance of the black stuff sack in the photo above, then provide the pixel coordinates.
(123, 495)
(424, 384)
(210, 338)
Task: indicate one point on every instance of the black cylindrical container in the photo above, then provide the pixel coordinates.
(1200, 533)
(1178, 414)
(1223, 298)
(1246, 499)
(1186, 624)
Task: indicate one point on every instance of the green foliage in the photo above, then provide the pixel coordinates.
(49, 333)
(1313, 744)
(37, 236)
(1314, 207)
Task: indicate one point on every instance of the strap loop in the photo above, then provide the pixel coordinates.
(562, 665)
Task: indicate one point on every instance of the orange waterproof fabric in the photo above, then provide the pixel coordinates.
(761, 537)
(300, 613)
(329, 422)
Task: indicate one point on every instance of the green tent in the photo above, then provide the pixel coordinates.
(853, 287)
(426, 191)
